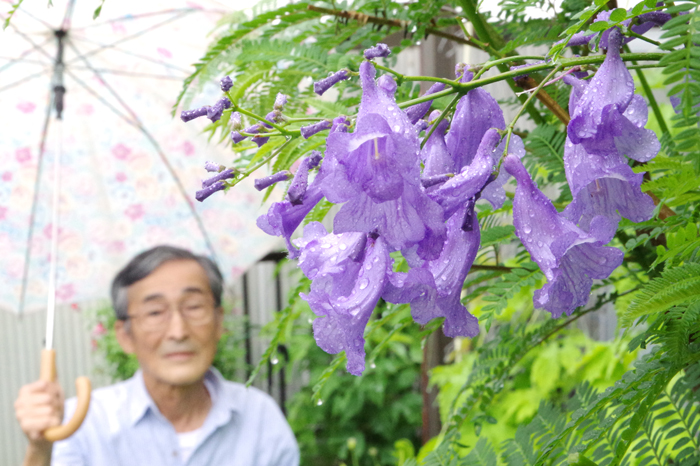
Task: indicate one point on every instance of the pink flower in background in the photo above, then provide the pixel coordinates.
(26, 107)
(93, 344)
(65, 292)
(116, 246)
(99, 330)
(165, 52)
(86, 109)
(134, 211)
(120, 151)
(3, 212)
(188, 148)
(47, 231)
(118, 28)
(121, 177)
(75, 307)
(7, 176)
(23, 154)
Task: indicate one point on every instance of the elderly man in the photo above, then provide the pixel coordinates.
(177, 409)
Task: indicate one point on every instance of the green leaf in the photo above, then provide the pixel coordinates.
(600, 26)
(617, 15)
(675, 286)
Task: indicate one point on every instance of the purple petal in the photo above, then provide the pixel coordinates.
(418, 111)
(340, 124)
(471, 180)
(568, 256)
(323, 85)
(215, 111)
(603, 186)
(237, 137)
(235, 120)
(476, 112)
(435, 154)
(297, 189)
(343, 319)
(262, 183)
(310, 130)
(379, 50)
(283, 218)
(596, 119)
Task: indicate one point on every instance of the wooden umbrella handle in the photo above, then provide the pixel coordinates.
(47, 372)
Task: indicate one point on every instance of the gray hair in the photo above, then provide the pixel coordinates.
(145, 263)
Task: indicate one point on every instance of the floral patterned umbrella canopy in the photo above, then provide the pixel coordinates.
(128, 170)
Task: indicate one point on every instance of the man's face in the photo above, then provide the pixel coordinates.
(174, 327)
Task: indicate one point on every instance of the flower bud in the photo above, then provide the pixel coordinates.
(213, 167)
(209, 190)
(352, 443)
(310, 130)
(236, 121)
(340, 124)
(224, 175)
(226, 83)
(188, 115)
(379, 50)
(262, 183)
(280, 101)
(215, 111)
(323, 85)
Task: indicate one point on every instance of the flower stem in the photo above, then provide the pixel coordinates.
(272, 155)
(639, 36)
(235, 107)
(400, 77)
(452, 103)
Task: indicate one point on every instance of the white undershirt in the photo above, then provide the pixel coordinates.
(188, 441)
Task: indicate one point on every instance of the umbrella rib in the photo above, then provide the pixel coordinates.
(20, 59)
(102, 99)
(160, 62)
(132, 17)
(162, 156)
(128, 73)
(36, 46)
(24, 80)
(65, 24)
(135, 35)
(32, 215)
(47, 25)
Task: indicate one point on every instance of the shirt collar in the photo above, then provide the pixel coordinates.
(224, 399)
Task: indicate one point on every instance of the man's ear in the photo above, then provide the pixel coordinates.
(124, 337)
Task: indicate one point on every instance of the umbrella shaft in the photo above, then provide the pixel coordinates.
(51, 300)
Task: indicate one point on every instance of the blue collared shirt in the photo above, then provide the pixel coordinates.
(244, 427)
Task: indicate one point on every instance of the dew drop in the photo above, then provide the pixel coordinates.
(373, 366)
(319, 402)
(325, 245)
(364, 283)
(343, 246)
(527, 229)
(274, 361)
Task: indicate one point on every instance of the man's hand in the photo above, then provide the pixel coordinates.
(39, 406)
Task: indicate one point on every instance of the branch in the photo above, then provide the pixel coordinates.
(364, 19)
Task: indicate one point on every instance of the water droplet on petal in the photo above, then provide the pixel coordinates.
(364, 283)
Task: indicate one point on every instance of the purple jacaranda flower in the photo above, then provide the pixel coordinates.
(601, 120)
(340, 124)
(344, 290)
(215, 111)
(434, 288)
(310, 130)
(476, 112)
(435, 156)
(418, 111)
(569, 257)
(472, 178)
(209, 190)
(236, 123)
(603, 185)
(213, 167)
(379, 50)
(644, 23)
(280, 101)
(224, 175)
(297, 189)
(323, 85)
(189, 115)
(274, 116)
(283, 218)
(376, 171)
(255, 129)
(226, 83)
(266, 182)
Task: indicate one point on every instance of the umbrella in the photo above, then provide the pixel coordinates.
(93, 168)
(129, 171)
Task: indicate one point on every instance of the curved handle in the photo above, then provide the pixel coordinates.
(82, 384)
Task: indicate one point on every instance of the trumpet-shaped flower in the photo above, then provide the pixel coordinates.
(348, 273)
(606, 118)
(569, 257)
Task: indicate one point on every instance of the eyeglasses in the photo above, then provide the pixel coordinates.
(155, 316)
